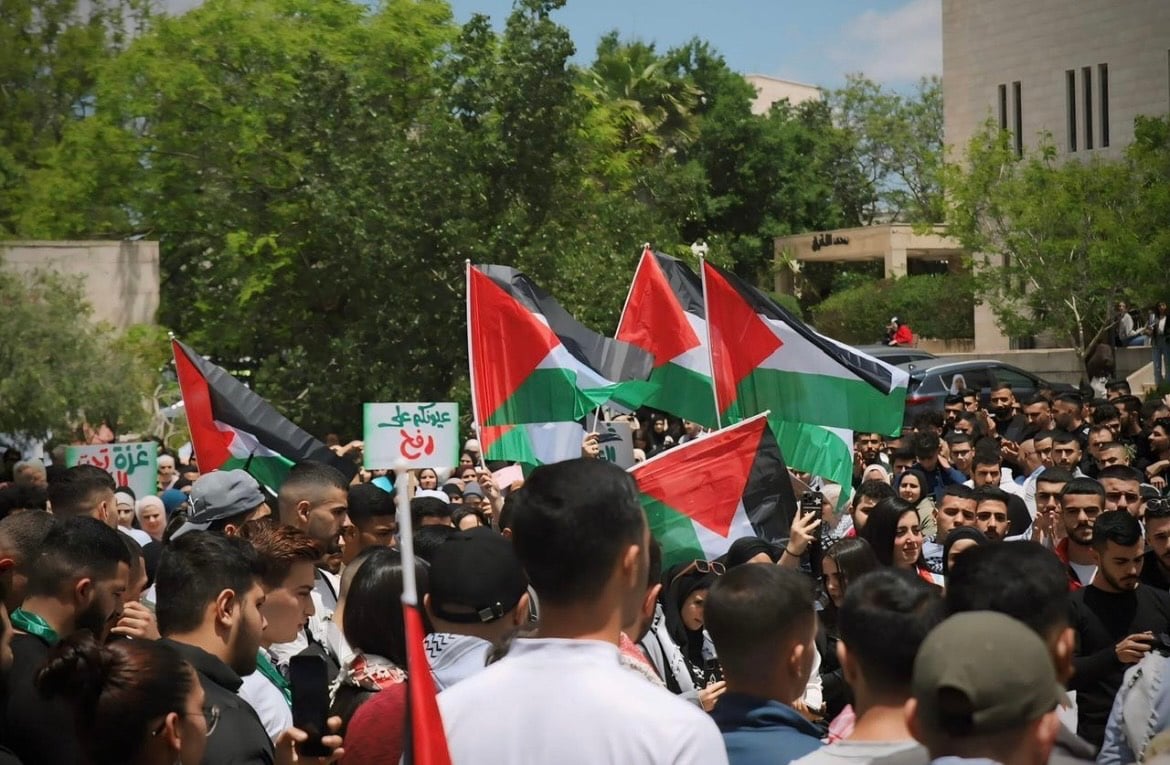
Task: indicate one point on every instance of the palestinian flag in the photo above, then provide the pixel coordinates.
(533, 362)
(232, 427)
(532, 444)
(664, 316)
(767, 359)
(425, 741)
(702, 496)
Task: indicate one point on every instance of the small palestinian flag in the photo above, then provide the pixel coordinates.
(702, 496)
(533, 362)
(533, 444)
(664, 316)
(232, 427)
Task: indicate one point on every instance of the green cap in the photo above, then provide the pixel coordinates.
(983, 672)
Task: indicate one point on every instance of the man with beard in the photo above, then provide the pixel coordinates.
(1008, 422)
(315, 499)
(76, 583)
(1068, 414)
(209, 598)
(1116, 619)
(1156, 567)
(1082, 500)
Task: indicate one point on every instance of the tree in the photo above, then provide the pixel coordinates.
(50, 54)
(897, 145)
(1056, 240)
(63, 369)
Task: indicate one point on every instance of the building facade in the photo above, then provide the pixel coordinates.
(1078, 70)
(771, 90)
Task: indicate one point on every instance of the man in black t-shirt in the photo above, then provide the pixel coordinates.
(1116, 619)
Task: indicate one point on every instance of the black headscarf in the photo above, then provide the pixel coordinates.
(745, 548)
(675, 594)
(963, 532)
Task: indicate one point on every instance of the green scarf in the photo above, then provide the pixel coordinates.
(26, 621)
(269, 670)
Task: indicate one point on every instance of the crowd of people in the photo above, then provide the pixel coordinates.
(993, 585)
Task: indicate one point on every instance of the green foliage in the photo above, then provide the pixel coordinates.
(897, 146)
(934, 306)
(318, 171)
(1060, 241)
(63, 369)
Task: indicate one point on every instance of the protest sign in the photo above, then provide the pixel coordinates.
(411, 435)
(616, 441)
(134, 465)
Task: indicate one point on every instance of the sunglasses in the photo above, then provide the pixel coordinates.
(702, 567)
(210, 716)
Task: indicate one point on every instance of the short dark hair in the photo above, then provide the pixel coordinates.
(1120, 385)
(1121, 472)
(956, 437)
(428, 538)
(279, 548)
(1118, 527)
(987, 453)
(74, 548)
(990, 494)
(951, 399)
(752, 611)
(959, 490)
(882, 525)
(873, 489)
(1083, 487)
(194, 570)
(72, 491)
(928, 419)
(504, 517)
(1021, 579)
(924, 445)
(428, 507)
(1105, 411)
(373, 623)
(1054, 475)
(367, 501)
(1132, 404)
(1036, 398)
(1061, 437)
(1070, 398)
(905, 452)
(854, 558)
(22, 535)
(884, 619)
(308, 477)
(1001, 386)
(573, 521)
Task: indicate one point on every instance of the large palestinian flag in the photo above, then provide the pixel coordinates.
(533, 362)
(664, 316)
(703, 495)
(232, 427)
(818, 390)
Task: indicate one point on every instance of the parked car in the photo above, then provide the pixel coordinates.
(932, 380)
(896, 354)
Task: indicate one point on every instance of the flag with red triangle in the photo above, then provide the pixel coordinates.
(664, 316)
(532, 362)
(703, 495)
(426, 741)
(233, 427)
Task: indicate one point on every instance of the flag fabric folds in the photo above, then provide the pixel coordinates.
(764, 358)
(664, 316)
(703, 495)
(426, 741)
(531, 362)
(233, 427)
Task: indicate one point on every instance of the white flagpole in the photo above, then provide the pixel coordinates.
(707, 331)
(405, 536)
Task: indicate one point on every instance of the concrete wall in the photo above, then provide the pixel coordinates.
(1057, 364)
(121, 279)
(771, 90)
(988, 43)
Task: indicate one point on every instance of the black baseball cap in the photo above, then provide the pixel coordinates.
(475, 577)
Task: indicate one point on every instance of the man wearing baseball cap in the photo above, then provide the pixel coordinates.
(223, 501)
(478, 597)
(984, 689)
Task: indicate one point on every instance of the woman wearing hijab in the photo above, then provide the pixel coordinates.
(682, 604)
(751, 550)
(913, 486)
(958, 542)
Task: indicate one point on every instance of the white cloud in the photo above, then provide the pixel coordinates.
(899, 45)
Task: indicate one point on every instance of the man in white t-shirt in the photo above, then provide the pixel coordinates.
(565, 697)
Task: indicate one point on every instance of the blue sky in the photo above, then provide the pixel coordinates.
(816, 42)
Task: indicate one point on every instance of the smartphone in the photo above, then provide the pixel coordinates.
(712, 671)
(810, 503)
(309, 678)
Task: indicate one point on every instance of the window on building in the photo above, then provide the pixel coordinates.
(1087, 87)
(1018, 117)
(1070, 79)
(1003, 115)
(1103, 95)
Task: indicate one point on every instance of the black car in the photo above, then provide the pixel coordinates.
(896, 354)
(933, 380)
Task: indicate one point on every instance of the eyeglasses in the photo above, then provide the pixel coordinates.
(1130, 497)
(702, 567)
(210, 716)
